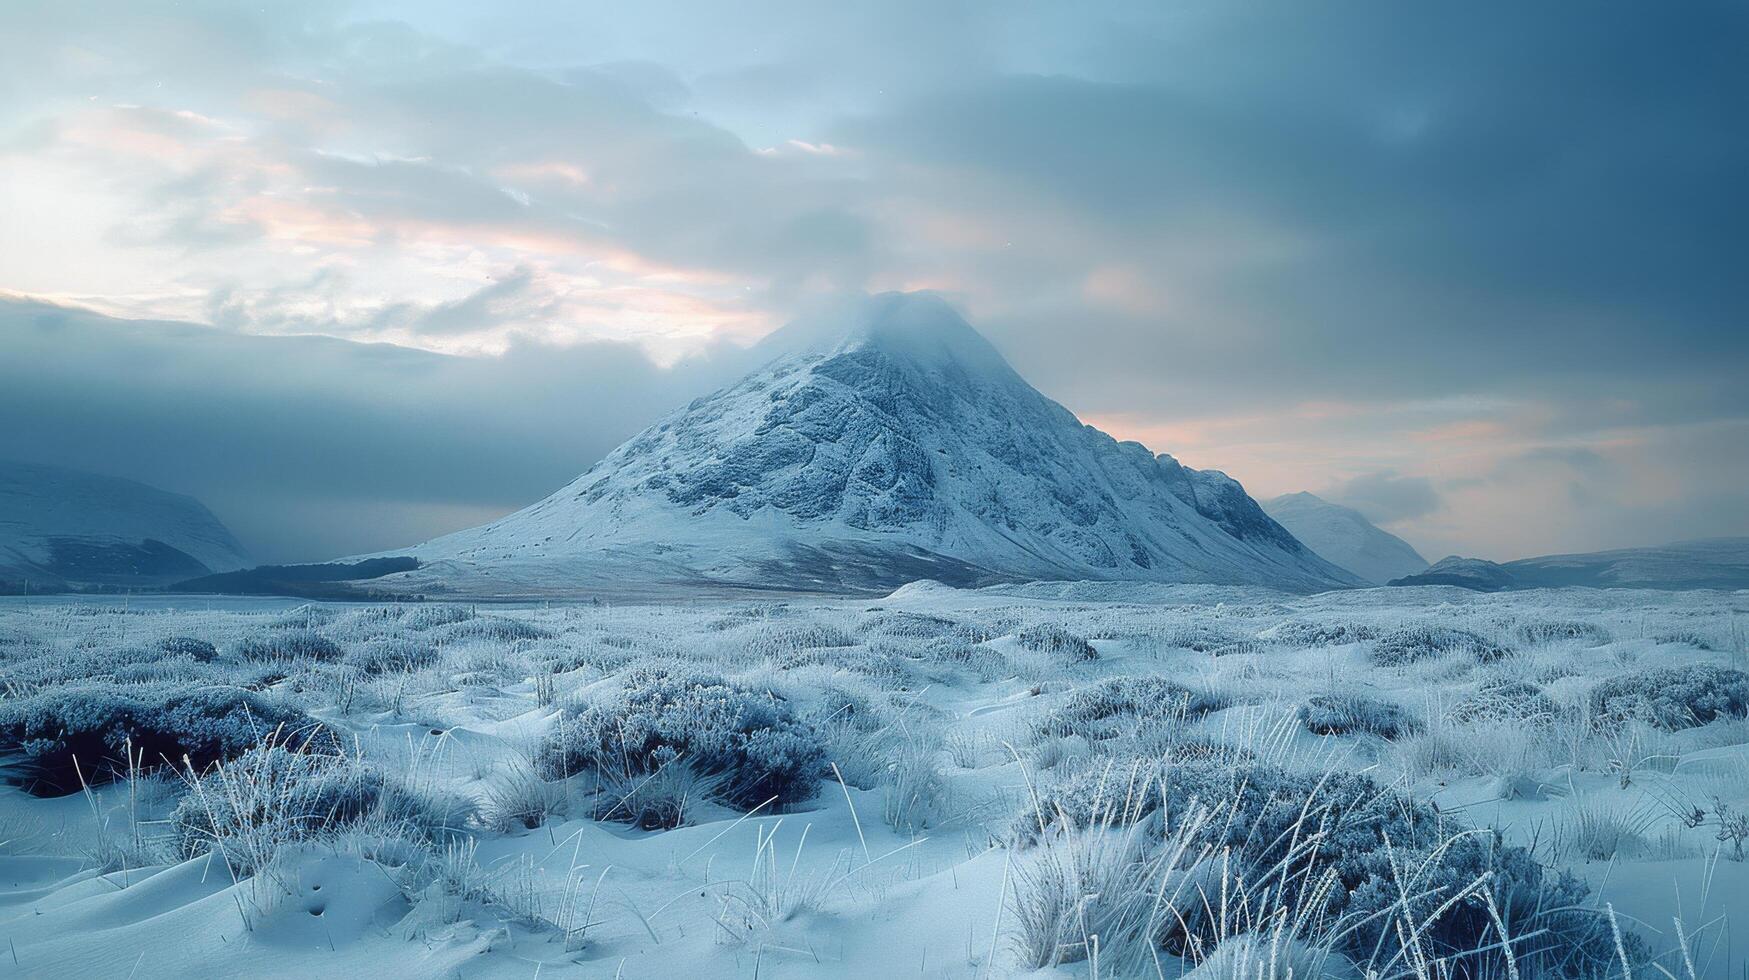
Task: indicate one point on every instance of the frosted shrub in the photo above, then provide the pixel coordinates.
(279, 646)
(491, 629)
(424, 617)
(194, 649)
(784, 635)
(753, 739)
(95, 724)
(391, 655)
(917, 627)
(1505, 700)
(1674, 697)
(306, 617)
(1301, 634)
(1048, 638)
(1563, 630)
(275, 795)
(1355, 712)
(1358, 864)
(1119, 705)
(1425, 642)
(1684, 637)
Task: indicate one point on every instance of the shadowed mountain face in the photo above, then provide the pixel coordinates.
(1345, 538)
(886, 445)
(62, 528)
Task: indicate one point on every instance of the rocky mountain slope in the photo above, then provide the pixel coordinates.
(886, 444)
(1345, 538)
(62, 528)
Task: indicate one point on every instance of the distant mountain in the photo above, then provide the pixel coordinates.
(1478, 574)
(882, 446)
(1344, 538)
(1714, 563)
(62, 528)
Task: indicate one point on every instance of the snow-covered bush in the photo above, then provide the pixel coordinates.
(191, 647)
(1119, 705)
(490, 629)
(753, 739)
(1685, 637)
(274, 795)
(1362, 866)
(1505, 700)
(1674, 697)
(894, 624)
(1353, 712)
(1563, 630)
(393, 653)
(433, 615)
(1054, 640)
(99, 724)
(779, 637)
(1301, 634)
(1425, 642)
(308, 616)
(285, 645)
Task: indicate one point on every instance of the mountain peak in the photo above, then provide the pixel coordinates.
(1344, 537)
(884, 441)
(919, 327)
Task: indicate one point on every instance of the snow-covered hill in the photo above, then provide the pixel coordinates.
(61, 527)
(1711, 563)
(1345, 538)
(881, 445)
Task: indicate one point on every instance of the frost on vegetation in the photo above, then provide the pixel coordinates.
(1302, 634)
(1563, 631)
(431, 616)
(489, 629)
(83, 733)
(277, 794)
(1356, 868)
(1356, 713)
(295, 643)
(1055, 641)
(1413, 644)
(1119, 705)
(753, 739)
(1674, 697)
(193, 648)
(1505, 700)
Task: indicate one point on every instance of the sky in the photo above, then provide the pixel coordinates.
(358, 273)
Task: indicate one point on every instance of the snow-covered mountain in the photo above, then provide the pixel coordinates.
(1344, 538)
(61, 527)
(878, 446)
(1709, 563)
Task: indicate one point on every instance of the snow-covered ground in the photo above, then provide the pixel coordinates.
(1052, 780)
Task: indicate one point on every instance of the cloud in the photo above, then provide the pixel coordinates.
(1313, 247)
(294, 440)
(1386, 498)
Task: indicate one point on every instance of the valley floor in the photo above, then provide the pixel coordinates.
(1051, 780)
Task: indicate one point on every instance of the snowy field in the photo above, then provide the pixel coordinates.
(1069, 780)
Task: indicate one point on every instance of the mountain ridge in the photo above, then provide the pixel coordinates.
(1700, 563)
